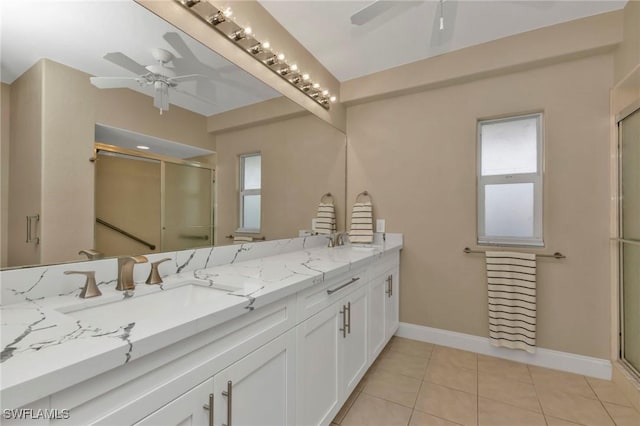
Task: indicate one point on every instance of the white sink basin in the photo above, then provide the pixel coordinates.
(146, 306)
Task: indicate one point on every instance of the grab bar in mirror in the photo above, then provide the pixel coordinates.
(125, 233)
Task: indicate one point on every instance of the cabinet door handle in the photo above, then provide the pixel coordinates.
(389, 286)
(353, 280)
(229, 396)
(344, 321)
(209, 408)
(348, 326)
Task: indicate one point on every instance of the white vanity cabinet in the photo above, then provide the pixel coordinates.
(192, 408)
(383, 303)
(332, 356)
(293, 361)
(259, 389)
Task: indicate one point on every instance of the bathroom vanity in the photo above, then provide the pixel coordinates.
(278, 337)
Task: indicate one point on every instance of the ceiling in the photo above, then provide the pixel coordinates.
(79, 33)
(408, 31)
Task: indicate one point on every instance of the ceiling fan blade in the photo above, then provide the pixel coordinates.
(179, 46)
(370, 12)
(199, 98)
(125, 62)
(188, 77)
(114, 82)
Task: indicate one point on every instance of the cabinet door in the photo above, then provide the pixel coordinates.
(377, 316)
(317, 375)
(392, 317)
(186, 410)
(260, 388)
(354, 350)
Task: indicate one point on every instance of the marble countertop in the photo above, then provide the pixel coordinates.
(45, 350)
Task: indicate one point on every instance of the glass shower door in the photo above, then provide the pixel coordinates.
(187, 207)
(629, 131)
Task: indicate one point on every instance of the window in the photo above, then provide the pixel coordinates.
(510, 181)
(250, 184)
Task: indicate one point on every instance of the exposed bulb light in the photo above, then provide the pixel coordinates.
(143, 147)
(244, 38)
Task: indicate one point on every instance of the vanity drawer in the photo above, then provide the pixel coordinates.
(385, 263)
(318, 297)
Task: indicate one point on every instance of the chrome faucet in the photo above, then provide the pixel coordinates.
(336, 239)
(340, 238)
(125, 271)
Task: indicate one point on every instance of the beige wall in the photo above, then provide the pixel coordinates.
(5, 125)
(302, 158)
(25, 182)
(67, 202)
(628, 54)
(416, 155)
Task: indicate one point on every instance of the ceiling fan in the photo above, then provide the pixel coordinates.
(159, 77)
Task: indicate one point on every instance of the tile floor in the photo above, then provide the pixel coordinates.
(417, 384)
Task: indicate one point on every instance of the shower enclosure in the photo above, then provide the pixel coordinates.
(149, 203)
(629, 239)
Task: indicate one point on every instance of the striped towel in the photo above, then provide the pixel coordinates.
(241, 239)
(511, 279)
(326, 219)
(362, 223)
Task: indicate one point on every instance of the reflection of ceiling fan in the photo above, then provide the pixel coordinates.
(158, 76)
(444, 19)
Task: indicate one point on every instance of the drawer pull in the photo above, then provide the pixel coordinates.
(353, 280)
(229, 396)
(209, 408)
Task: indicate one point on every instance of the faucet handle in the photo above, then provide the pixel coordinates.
(91, 254)
(90, 288)
(154, 275)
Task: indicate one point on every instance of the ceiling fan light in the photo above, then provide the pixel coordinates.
(161, 96)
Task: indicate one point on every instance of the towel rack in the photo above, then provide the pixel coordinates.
(556, 255)
(363, 194)
(325, 196)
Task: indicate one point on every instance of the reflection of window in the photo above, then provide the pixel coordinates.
(510, 180)
(250, 184)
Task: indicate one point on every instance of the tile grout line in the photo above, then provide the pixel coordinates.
(600, 401)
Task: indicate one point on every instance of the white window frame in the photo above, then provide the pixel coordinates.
(244, 192)
(535, 178)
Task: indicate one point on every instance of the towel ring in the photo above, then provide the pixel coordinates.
(361, 195)
(325, 196)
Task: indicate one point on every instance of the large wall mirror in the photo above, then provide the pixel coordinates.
(171, 147)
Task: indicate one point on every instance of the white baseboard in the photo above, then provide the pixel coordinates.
(565, 361)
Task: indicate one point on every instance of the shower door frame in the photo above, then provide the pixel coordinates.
(628, 111)
(99, 146)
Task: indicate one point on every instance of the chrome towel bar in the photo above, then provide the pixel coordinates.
(556, 255)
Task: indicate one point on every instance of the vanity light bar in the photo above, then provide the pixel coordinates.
(261, 51)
